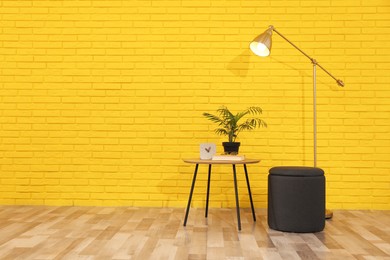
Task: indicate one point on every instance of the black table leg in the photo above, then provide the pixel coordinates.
(190, 197)
(208, 191)
(250, 193)
(237, 202)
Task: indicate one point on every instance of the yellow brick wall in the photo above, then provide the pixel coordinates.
(100, 100)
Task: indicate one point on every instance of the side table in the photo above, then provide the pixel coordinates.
(210, 163)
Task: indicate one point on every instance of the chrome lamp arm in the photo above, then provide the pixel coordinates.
(339, 82)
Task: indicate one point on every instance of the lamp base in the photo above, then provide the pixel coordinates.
(328, 214)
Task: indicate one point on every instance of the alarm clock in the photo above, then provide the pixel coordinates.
(207, 150)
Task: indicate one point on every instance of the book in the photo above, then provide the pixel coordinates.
(228, 157)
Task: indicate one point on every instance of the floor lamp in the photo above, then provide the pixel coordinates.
(261, 46)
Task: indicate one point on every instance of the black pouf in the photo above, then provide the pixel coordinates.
(296, 199)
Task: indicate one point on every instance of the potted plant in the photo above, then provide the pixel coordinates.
(229, 124)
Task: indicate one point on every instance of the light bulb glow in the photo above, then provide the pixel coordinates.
(259, 49)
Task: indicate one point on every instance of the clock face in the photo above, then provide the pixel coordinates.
(207, 150)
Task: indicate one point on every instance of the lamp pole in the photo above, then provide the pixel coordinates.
(315, 112)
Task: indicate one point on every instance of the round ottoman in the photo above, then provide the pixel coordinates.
(296, 199)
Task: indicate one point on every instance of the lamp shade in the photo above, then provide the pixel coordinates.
(261, 45)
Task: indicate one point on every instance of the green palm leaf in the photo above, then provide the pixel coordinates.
(228, 123)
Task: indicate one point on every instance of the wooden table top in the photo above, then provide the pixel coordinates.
(199, 161)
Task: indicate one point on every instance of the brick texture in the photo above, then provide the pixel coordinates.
(100, 100)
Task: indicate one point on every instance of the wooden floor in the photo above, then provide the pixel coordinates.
(39, 232)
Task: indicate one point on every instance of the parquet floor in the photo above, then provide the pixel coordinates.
(41, 232)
